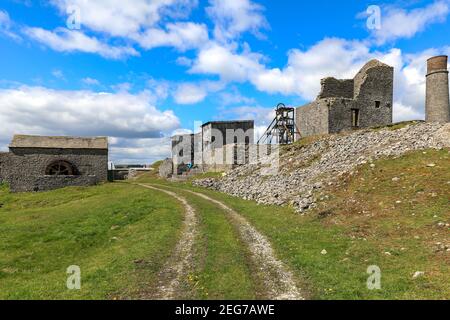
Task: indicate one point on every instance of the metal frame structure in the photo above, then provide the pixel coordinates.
(282, 128)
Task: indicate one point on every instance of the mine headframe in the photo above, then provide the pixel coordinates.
(282, 130)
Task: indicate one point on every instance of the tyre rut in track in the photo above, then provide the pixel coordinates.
(180, 262)
(278, 280)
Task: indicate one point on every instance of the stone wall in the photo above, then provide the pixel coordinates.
(3, 158)
(376, 84)
(312, 119)
(340, 114)
(227, 158)
(25, 168)
(183, 152)
(219, 134)
(332, 88)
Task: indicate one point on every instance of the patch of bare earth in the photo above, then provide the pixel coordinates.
(278, 280)
(178, 266)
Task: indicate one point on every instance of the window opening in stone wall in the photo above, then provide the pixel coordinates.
(377, 104)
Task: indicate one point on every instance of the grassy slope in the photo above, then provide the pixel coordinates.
(103, 229)
(360, 224)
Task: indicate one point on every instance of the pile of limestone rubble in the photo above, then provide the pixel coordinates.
(305, 170)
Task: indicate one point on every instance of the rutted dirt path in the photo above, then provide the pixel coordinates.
(178, 265)
(278, 280)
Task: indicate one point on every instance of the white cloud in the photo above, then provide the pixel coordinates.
(404, 113)
(191, 93)
(261, 116)
(65, 40)
(58, 74)
(234, 97)
(182, 35)
(230, 66)
(184, 61)
(233, 17)
(120, 18)
(140, 151)
(400, 23)
(139, 21)
(90, 81)
(305, 69)
(38, 110)
(6, 26)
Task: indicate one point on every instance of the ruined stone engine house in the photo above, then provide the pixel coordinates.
(343, 105)
(37, 163)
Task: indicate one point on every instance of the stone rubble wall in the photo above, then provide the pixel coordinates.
(24, 168)
(334, 88)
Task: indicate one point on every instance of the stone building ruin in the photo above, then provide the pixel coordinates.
(38, 163)
(366, 101)
(219, 146)
(343, 105)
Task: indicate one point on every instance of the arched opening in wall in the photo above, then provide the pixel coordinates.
(61, 168)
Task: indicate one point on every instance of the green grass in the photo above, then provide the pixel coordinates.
(222, 270)
(119, 235)
(360, 223)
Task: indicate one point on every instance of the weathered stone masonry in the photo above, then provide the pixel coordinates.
(45, 163)
(219, 146)
(343, 105)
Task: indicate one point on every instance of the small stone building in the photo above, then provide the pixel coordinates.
(219, 146)
(343, 105)
(225, 144)
(38, 163)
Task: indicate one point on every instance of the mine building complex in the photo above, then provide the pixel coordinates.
(366, 101)
(39, 163)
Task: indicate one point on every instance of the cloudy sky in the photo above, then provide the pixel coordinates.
(139, 71)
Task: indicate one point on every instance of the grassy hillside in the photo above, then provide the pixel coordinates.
(393, 214)
(119, 235)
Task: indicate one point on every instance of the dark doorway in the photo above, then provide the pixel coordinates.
(355, 118)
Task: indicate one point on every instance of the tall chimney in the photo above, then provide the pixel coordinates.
(437, 104)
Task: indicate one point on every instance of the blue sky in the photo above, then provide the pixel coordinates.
(139, 71)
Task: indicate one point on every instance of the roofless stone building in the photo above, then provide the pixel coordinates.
(38, 163)
(344, 105)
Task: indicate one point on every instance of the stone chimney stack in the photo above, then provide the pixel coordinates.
(437, 96)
